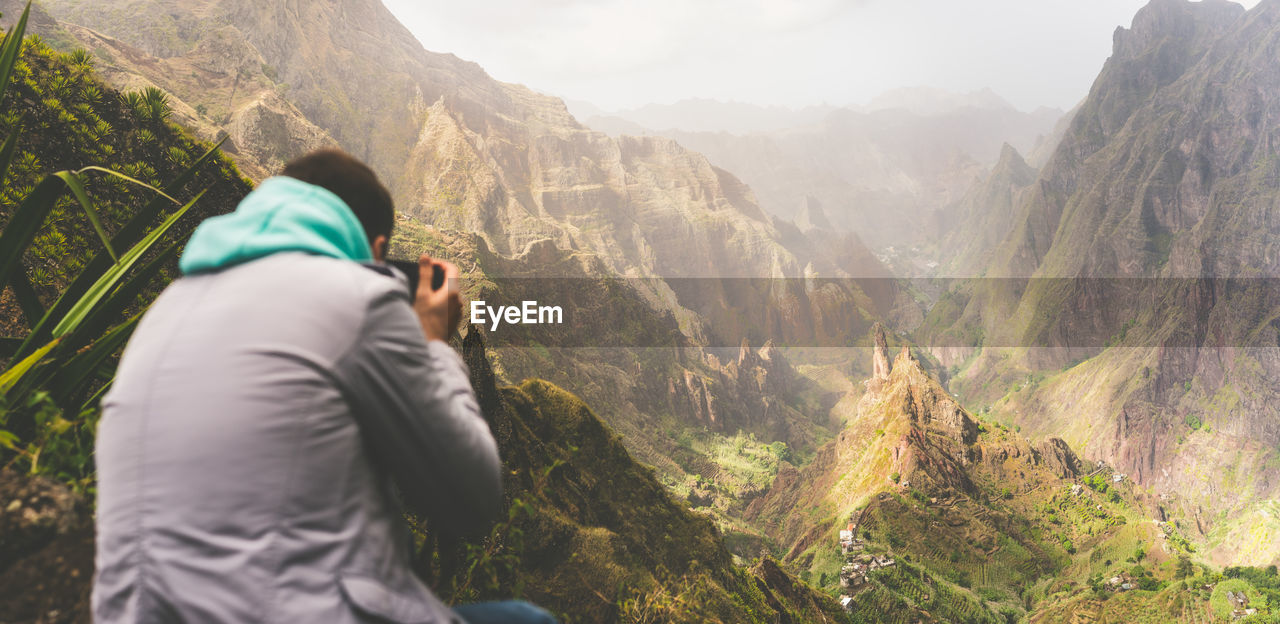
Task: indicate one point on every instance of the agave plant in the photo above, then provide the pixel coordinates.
(80, 58)
(54, 375)
(91, 94)
(133, 101)
(155, 104)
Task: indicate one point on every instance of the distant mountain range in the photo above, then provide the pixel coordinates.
(1036, 441)
(890, 170)
(697, 115)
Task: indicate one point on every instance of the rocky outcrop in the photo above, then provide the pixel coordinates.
(984, 216)
(922, 399)
(880, 355)
(909, 435)
(811, 216)
(751, 392)
(1059, 457)
(269, 131)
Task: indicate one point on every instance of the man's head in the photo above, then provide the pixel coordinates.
(356, 185)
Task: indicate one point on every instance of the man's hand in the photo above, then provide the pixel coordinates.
(439, 311)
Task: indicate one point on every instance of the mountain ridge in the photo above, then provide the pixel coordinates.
(1163, 185)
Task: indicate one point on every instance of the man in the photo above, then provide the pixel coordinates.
(262, 406)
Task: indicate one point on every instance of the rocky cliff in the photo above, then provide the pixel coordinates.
(970, 504)
(1167, 171)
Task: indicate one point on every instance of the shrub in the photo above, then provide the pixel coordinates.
(156, 104)
(55, 374)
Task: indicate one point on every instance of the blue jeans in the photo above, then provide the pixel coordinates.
(505, 612)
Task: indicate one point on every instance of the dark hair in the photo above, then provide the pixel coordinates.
(353, 182)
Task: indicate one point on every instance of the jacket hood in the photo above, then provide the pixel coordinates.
(282, 214)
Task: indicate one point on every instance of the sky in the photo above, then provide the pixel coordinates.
(620, 54)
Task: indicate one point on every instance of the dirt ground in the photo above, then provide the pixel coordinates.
(46, 552)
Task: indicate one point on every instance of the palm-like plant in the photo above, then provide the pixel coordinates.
(133, 101)
(155, 104)
(80, 58)
(54, 375)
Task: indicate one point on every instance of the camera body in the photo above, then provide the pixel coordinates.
(411, 271)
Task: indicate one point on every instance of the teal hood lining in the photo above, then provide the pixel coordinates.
(282, 214)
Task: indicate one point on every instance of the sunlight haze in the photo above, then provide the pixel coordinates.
(617, 54)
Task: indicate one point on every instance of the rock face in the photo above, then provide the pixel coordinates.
(812, 216)
(270, 131)
(905, 424)
(460, 149)
(1055, 453)
(629, 534)
(1155, 96)
(753, 392)
(1166, 171)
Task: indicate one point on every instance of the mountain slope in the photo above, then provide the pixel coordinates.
(452, 140)
(538, 195)
(67, 118)
(595, 537)
(1166, 172)
(983, 216)
(954, 520)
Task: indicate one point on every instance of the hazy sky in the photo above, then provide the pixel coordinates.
(626, 53)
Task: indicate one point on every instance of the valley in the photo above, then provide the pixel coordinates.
(928, 359)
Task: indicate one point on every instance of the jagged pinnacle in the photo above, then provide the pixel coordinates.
(880, 358)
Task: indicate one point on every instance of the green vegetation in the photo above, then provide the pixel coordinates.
(1218, 601)
(594, 536)
(1193, 422)
(84, 248)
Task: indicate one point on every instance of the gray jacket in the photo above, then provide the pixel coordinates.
(245, 451)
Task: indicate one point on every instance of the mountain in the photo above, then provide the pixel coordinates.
(933, 101)
(714, 469)
(465, 152)
(1144, 335)
(704, 115)
(449, 139)
(595, 536)
(921, 511)
(982, 218)
(887, 173)
(633, 363)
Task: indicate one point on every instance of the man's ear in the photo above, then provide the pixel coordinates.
(379, 245)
